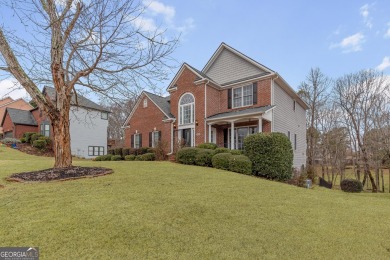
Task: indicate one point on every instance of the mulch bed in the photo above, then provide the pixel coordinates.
(60, 174)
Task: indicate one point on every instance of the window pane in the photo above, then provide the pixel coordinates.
(247, 95)
(187, 99)
(95, 150)
(237, 97)
(90, 150)
(104, 115)
(187, 114)
(101, 150)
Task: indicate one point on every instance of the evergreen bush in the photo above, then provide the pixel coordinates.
(271, 155)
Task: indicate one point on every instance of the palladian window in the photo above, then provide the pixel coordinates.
(186, 109)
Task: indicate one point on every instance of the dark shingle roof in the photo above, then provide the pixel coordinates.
(161, 102)
(81, 101)
(21, 117)
(241, 112)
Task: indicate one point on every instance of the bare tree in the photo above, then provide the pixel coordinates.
(81, 46)
(116, 119)
(314, 92)
(362, 96)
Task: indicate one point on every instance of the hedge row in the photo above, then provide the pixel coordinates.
(36, 140)
(220, 158)
(132, 157)
(123, 152)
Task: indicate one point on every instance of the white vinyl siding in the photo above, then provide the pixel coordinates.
(87, 128)
(286, 120)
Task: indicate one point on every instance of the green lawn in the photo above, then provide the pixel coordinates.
(165, 210)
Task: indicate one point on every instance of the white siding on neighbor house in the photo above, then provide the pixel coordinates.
(229, 67)
(286, 119)
(87, 129)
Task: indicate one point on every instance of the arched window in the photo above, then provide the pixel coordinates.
(186, 109)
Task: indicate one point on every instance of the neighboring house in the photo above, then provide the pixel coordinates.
(232, 97)
(9, 102)
(88, 125)
(15, 122)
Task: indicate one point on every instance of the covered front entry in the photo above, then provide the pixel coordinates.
(232, 128)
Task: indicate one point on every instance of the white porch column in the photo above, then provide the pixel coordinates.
(209, 133)
(260, 124)
(232, 135)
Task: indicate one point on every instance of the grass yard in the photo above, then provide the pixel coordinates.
(166, 210)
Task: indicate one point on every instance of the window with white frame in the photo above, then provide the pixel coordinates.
(45, 129)
(95, 150)
(243, 96)
(155, 138)
(145, 103)
(137, 140)
(104, 116)
(186, 109)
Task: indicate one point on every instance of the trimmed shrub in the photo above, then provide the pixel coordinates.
(27, 136)
(97, 158)
(34, 137)
(111, 151)
(143, 150)
(139, 158)
(9, 140)
(203, 157)
(351, 185)
(221, 150)
(130, 157)
(46, 139)
(271, 155)
(240, 164)
(211, 146)
(118, 151)
(22, 140)
(116, 158)
(151, 150)
(125, 152)
(147, 157)
(106, 157)
(236, 152)
(40, 144)
(187, 155)
(221, 160)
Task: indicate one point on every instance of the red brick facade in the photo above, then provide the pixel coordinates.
(17, 130)
(145, 120)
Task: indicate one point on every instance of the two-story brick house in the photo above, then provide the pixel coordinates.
(233, 96)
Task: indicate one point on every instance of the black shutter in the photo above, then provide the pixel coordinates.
(254, 93)
(132, 141)
(229, 98)
(140, 140)
(150, 139)
(159, 135)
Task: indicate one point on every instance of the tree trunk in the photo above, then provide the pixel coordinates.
(61, 143)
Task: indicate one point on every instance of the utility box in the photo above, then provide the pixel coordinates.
(308, 183)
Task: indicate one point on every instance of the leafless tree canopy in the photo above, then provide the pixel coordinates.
(81, 46)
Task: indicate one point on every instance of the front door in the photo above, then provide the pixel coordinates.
(187, 137)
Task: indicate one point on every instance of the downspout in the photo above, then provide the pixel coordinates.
(205, 111)
(172, 134)
(273, 101)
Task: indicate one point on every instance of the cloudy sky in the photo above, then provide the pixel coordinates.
(289, 37)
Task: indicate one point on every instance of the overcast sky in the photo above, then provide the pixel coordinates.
(289, 37)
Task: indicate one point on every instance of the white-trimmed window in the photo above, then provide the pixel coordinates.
(45, 129)
(242, 96)
(95, 150)
(155, 138)
(186, 109)
(137, 140)
(104, 116)
(145, 102)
